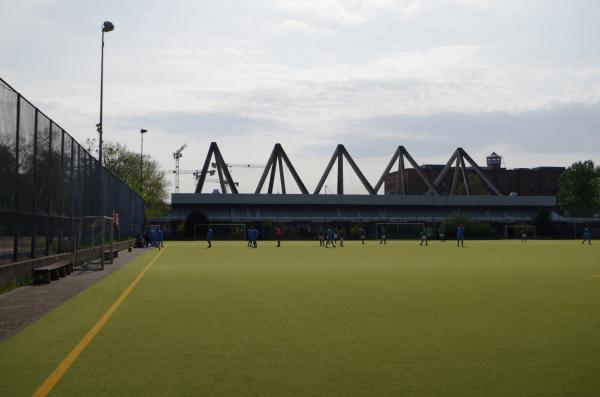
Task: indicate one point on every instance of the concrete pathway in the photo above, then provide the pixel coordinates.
(22, 306)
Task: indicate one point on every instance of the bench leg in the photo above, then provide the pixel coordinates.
(62, 272)
(41, 277)
(54, 275)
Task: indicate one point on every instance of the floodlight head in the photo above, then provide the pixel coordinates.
(214, 165)
(108, 26)
(143, 131)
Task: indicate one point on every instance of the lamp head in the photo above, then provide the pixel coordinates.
(143, 131)
(108, 26)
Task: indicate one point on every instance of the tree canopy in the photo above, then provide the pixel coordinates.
(126, 165)
(579, 191)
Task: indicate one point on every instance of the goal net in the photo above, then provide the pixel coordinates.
(522, 232)
(399, 230)
(94, 246)
(221, 231)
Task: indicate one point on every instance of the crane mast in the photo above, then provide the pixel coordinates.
(177, 155)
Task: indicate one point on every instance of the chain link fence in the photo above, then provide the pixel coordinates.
(48, 181)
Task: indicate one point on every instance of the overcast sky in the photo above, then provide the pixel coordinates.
(521, 78)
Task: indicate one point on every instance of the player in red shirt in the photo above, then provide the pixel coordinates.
(278, 234)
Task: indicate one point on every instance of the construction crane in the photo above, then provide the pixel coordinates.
(196, 174)
(215, 180)
(231, 165)
(177, 155)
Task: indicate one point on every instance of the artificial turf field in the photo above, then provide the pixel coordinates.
(496, 318)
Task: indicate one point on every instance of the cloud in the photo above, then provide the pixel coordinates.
(199, 125)
(330, 11)
(484, 74)
(560, 129)
(291, 26)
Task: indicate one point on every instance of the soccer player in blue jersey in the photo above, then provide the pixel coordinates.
(587, 236)
(255, 234)
(460, 236)
(329, 238)
(152, 237)
(160, 238)
(249, 232)
(209, 237)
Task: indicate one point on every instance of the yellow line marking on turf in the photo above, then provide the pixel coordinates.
(66, 363)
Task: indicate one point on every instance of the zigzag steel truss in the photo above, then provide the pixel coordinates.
(275, 160)
(399, 155)
(339, 155)
(278, 157)
(459, 156)
(222, 170)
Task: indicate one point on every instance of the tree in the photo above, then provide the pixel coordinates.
(579, 188)
(472, 228)
(126, 165)
(542, 220)
(194, 218)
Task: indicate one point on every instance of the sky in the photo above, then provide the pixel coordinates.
(521, 78)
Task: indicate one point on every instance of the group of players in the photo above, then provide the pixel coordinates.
(331, 236)
(252, 233)
(152, 238)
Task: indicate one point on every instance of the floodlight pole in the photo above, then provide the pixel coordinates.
(142, 132)
(106, 27)
(101, 100)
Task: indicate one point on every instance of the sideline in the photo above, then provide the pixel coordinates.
(66, 363)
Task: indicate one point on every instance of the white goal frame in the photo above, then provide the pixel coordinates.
(101, 249)
(196, 225)
(517, 235)
(387, 233)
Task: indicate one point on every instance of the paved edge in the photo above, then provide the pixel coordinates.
(22, 306)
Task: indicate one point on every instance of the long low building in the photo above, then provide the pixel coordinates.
(247, 208)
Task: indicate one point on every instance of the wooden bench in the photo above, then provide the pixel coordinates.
(110, 256)
(54, 271)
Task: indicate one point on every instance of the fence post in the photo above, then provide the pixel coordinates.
(102, 229)
(34, 222)
(16, 219)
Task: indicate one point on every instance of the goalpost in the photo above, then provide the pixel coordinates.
(399, 230)
(221, 231)
(94, 246)
(518, 232)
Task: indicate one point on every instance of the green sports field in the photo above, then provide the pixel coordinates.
(497, 318)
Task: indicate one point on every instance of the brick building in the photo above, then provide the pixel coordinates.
(539, 181)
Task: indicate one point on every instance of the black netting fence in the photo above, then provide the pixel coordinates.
(48, 182)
